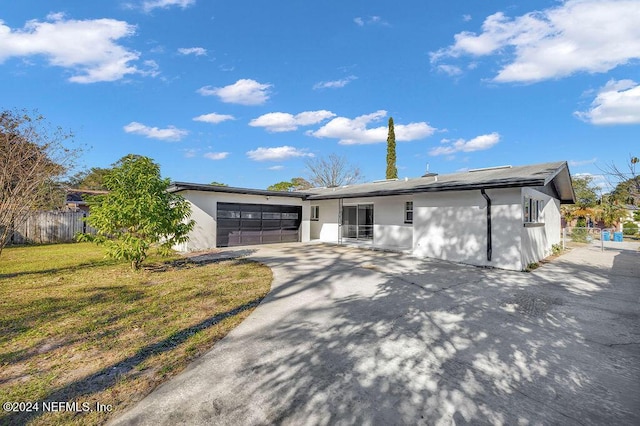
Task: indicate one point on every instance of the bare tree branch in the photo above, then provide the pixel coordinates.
(628, 176)
(32, 157)
(332, 171)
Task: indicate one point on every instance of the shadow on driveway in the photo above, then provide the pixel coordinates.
(351, 336)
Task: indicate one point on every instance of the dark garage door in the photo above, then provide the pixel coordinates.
(245, 224)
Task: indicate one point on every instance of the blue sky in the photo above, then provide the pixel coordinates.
(244, 92)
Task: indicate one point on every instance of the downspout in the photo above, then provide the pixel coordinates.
(486, 197)
(340, 204)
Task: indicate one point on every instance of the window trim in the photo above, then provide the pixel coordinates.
(408, 211)
(315, 213)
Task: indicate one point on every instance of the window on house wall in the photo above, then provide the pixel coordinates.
(408, 212)
(532, 210)
(315, 212)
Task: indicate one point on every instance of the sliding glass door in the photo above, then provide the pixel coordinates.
(357, 222)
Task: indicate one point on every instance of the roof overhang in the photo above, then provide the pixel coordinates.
(435, 187)
(561, 181)
(559, 178)
(185, 186)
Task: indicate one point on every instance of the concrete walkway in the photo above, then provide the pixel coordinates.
(350, 336)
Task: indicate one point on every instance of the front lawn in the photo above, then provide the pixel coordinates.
(79, 329)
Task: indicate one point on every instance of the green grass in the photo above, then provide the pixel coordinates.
(75, 326)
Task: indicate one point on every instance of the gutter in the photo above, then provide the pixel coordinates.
(489, 248)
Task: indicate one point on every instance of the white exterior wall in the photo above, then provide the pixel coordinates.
(446, 225)
(326, 227)
(204, 212)
(453, 226)
(538, 238)
(389, 228)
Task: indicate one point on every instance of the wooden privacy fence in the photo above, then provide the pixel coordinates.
(50, 227)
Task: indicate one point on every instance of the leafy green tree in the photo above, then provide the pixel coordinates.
(392, 170)
(295, 184)
(610, 211)
(138, 212)
(92, 179)
(586, 192)
(284, 186)
(626, 192)
(214, 183)
(586, 201)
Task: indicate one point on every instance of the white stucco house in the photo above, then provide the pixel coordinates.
(505, 217)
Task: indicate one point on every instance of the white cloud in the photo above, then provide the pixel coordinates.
(277, 154)
(197, 51)
(370, 20)
(466, 18)
(216, 155)
(171, 133)
(279, 167)
(355, 131)
(450, 70)
(576, 163)
(285, 122)
(479, 143)
(86, 47)
(334, 84)
(149, 5)
(152, 68)
(591, 36)
(243, 92)
(618, 102)
(213, 118)
(190, 153)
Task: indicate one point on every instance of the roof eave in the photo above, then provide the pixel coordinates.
(185, 186)
(431, 188)
(568, 184)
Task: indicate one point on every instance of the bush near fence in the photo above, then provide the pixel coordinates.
(629, 228)
(50, 227)
(581, 235)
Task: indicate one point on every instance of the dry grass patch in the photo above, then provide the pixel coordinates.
(75, 327)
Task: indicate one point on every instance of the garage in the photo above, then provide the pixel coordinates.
(240, 224)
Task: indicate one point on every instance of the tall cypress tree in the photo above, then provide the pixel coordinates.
(392, 171)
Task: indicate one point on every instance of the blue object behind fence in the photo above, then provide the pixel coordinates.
(605, 236)
(617, 236)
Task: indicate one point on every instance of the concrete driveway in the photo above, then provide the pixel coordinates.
(351, 336)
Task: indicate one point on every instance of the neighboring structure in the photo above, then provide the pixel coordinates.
(505, 217)
(76, 199)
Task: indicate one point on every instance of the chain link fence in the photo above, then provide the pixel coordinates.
(576, 236)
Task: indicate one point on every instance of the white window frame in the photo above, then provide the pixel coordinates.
(315, 213)
(408, 211)
(532, 209)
